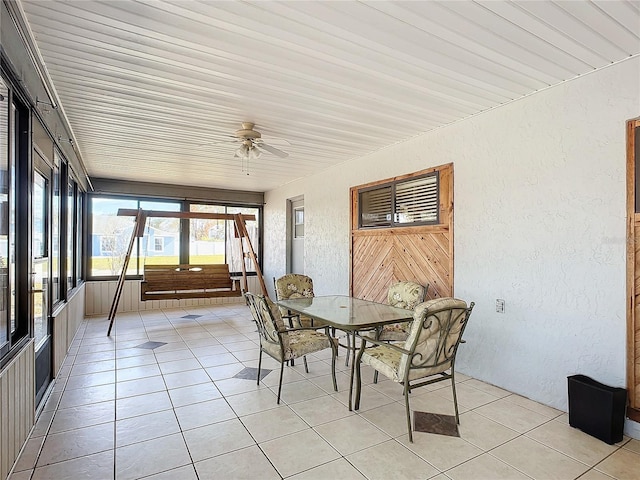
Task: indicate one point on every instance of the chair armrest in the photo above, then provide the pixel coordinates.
(382, 343)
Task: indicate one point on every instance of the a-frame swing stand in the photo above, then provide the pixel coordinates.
(182, 270)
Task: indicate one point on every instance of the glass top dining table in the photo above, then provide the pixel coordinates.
(348, 314)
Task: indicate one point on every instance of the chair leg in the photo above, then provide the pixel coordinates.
(406, 405)
(357, 360)
(346, 360)
(455, 398)
(280, 382)
(375, 376)
(259, 366)
(306, 368)
(334, 354)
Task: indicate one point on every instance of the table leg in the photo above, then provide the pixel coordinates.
(353, 363)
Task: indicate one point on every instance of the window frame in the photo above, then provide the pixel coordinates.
(184, 234)
(392, 186)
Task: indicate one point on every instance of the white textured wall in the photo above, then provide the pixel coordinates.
(539, 222)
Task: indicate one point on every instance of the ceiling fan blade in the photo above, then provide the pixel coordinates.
(273, 150)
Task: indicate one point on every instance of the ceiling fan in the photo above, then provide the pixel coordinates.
(252, 145)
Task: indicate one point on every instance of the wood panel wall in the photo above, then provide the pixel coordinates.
(17, 396)
(99, 296)
(65, 325)
(633, 274)
(423, 254)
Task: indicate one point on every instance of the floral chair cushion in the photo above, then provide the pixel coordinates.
(435, 333)
(430, 353)
(295, 285)
(403, 295)
(295, 344)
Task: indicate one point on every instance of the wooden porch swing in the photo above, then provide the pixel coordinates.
(177, 282)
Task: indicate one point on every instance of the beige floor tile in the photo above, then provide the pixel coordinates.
(247, 355)
(151, 457)
(325, 382)
(339, 468)
(288, 375)
(202, 342)
(91, 380)
(320, 410)
(217, 439)
(142, 404)
(390, 460)
(633, 445)
(137, 361)
(90, 467)
(71, 444)
(204, 413)
(483, 432)
(93, 367)
(488, 388)
(512, 416)
(22, 475)
(572, 442)
(278, 451)
(535, 406)
(184, 379)
(432, 402)
(485, 467)
(274, 423)
(537, 460)
(299, 392)
(441, 451)
(172, 356)
(208, 350)
(146, 427)
(391, 418)
(253, 402)
(351, 434)
(95, 357)
(135, 373)
(193, 394)
(86, 396)
(224, 371)
(43, 423)
(623, 464)
(388, 388)
(595, 475)
(234, 386)
(187, 472)
(83, 416)
(248, 463)
(467, 395)
(179, 366)
(369, 398)
(140, 386)
(29, 454)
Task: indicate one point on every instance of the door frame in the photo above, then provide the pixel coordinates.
(633, 268)
(290, 230)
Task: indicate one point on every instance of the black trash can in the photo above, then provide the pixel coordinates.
(597, 409)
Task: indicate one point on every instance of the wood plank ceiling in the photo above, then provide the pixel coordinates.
(155, 89)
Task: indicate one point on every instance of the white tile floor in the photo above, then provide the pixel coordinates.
(175, 412)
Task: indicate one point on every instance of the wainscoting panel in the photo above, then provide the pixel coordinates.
(99, 296)
(16, 406)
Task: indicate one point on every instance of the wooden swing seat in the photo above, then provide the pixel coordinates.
(176, 282)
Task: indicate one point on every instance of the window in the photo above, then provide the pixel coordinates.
(108, 244)
(14, 148)
(158, 244)
(214, 241)
(408, 202)
(71, 237)
(298, 227)
(56, 265)
(166, 241)
(110, 236)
